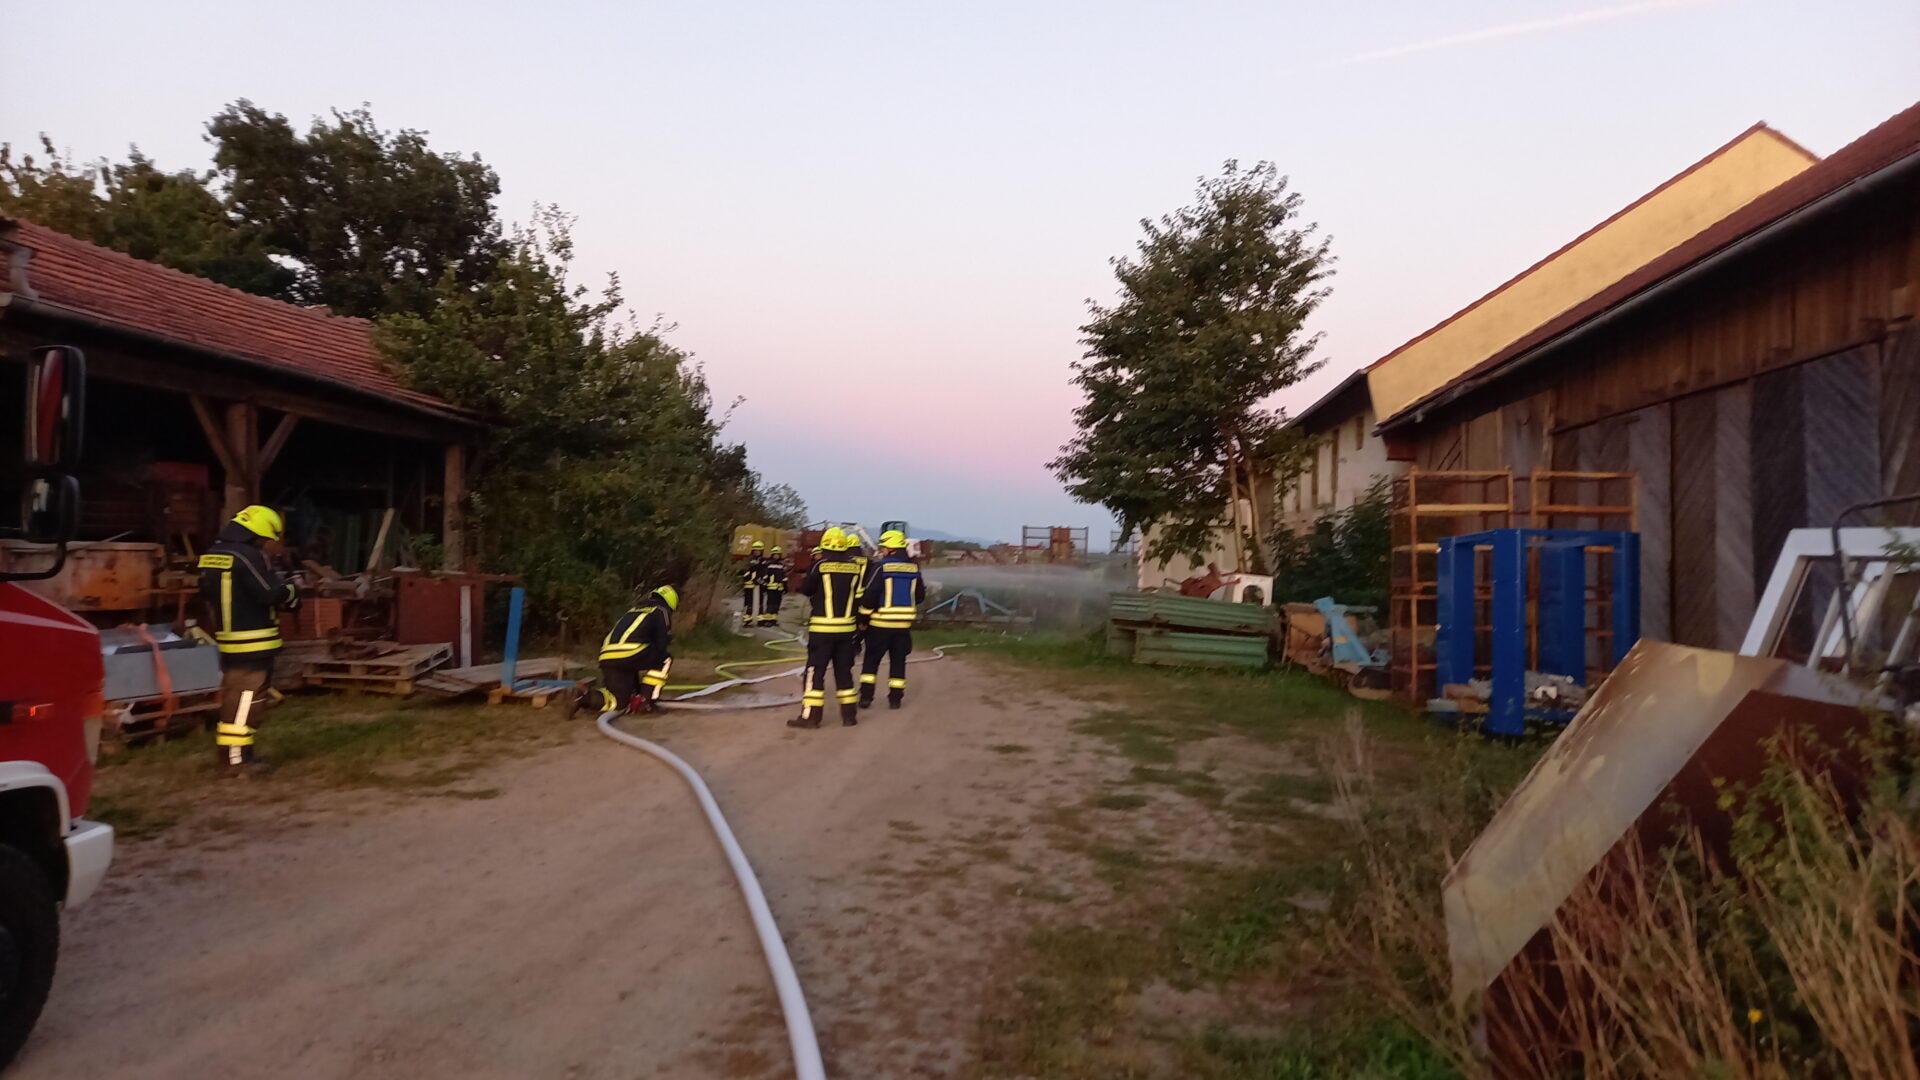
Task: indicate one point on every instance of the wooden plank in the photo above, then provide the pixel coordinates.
(1841, 427)
(380, 541)
(1733, 594)
(1778, 480)
(453, 509)
(1649, 450)
(1696, 476)
(1900, 416)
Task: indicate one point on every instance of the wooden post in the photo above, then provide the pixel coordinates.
(242, 448)
(453, 510)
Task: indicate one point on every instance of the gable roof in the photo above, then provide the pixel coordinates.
(1336, 406)
(1733, 175)
(67, 275)
(1892, 142)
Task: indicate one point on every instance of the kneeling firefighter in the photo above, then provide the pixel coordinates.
(246, 597)
(890, 603)
(832, 585)
(636, 654)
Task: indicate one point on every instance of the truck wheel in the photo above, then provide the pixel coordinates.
(29, 941)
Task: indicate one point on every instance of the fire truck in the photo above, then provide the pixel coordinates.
(51, 680)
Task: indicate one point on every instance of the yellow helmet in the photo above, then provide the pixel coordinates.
(893, 538)
(835, 539)
(758, 546)
(262, 521)
(670, 596)
(775, 551)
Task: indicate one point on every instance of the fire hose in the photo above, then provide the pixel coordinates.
(793, 1003)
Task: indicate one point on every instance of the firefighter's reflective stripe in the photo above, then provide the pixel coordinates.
(263, 634)
(869, 678)
(607, 701)
(847, 696)
(895, 618)
(216, 561)
(236, 732)
(813, 698)
(658, 676)
(625, 646)
(896, 684)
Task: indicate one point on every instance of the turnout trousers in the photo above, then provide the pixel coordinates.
(244, 684)
(824, 651)
(891, 645)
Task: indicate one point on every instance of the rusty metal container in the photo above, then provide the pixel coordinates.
(97, 576)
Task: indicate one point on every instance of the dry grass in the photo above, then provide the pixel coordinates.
(1791, 952)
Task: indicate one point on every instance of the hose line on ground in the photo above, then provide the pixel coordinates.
(800, 1034)
(793, 1003)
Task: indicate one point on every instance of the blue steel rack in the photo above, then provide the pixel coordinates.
(1560, 610)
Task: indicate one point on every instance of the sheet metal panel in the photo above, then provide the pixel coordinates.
(1840, 425)
(1778, 482)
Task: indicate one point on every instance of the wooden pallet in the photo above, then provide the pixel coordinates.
(362, 684)
(457, 682)
(538, 696)
(146, 718)
(401, 665)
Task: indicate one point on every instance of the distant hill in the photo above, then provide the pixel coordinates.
(936, 534)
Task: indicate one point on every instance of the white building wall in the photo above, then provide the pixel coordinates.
(1347, 461)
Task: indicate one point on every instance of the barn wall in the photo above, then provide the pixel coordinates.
(1764, 398)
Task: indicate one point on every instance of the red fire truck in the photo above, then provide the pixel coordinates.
(50, 709)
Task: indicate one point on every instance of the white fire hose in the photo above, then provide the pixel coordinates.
(793, 1003)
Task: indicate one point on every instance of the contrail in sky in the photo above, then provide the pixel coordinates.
(1518, 29)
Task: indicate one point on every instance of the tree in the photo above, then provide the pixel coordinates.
(171, 218)
(606, 470)
(1209, 324)
(785, 508)
(1345, 556)
(374, 219)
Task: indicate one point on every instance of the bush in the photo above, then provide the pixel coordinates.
(1345, 556)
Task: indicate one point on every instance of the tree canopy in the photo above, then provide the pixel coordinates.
(374, 219)
(1209, 323)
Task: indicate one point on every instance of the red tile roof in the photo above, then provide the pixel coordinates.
(1897, 138)
(211, 318)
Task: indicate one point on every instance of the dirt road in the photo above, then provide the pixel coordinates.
(581, 922)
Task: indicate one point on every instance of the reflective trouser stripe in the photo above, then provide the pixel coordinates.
(869, 678)
(847, 697)
(236, 732)
(620, 652)
(886, 622)
(250, 646)
(654, 679)
(896, 684)
(823, 624)
(607, 701)
(814, 697)
(261, 634)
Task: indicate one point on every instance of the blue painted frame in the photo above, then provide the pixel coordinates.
(1561, 609)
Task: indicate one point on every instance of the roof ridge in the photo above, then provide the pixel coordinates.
(1751, 130)
(149, 266)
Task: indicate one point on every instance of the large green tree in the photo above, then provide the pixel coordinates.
(172, 218)
(374, 219)
(607, 469)
(1209, 323)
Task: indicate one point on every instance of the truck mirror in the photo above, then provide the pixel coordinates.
(56, 408)
(49, 514)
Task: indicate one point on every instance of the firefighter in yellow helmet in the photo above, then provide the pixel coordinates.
(753, 595)
(773, 588)
(246, 597)
(831, 587)
(637, 653)
(889, 603)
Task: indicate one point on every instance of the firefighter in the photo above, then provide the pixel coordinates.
(752, 579)
(637, 653)
(831, 587)
(890, 603)
(246, 597)
(775, 586)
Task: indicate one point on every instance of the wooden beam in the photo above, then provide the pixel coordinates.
(380, 541)
(453, 510)
(215, 437)
(275, 443)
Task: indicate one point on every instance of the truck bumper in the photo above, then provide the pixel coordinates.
(89, 853)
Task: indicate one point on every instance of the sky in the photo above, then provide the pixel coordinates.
(879, 223)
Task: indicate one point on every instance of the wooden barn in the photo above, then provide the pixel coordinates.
(1757, 377)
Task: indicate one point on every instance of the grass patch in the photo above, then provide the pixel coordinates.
(316, 742)
(1009, 748)
(1118, 801)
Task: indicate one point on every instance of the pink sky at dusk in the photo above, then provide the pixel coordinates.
(879, 222)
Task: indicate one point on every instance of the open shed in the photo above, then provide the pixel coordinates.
(203, 399)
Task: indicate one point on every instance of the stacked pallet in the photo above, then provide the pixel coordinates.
(1184, 631)
(383, 668)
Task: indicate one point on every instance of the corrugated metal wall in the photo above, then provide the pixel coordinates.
(1900, 420)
